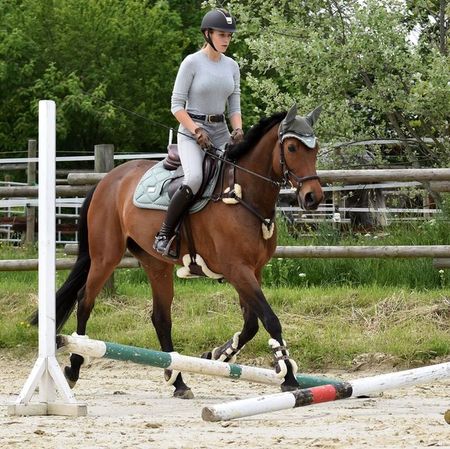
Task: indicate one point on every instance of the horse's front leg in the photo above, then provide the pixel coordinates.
(255, 305)
(231, 348)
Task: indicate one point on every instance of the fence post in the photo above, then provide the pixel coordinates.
(380, 203)
(104, 158)
(31, 180)
(9, 233)
(104, 162)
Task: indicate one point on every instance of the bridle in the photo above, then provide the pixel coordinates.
(287, 173)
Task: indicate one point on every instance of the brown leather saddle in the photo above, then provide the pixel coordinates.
(172, 162)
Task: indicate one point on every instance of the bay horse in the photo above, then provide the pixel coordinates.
(279, 149)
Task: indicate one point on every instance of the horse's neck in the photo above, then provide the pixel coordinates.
(260, 160)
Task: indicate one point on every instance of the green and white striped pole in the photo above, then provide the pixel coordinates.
(174, 361)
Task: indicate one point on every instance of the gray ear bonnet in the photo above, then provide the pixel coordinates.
(298, 127)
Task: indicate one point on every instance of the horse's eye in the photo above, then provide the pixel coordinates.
(292, 148)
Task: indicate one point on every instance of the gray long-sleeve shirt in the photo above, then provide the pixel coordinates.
(203, 86)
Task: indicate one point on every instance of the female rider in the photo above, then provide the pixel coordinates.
(207, 82)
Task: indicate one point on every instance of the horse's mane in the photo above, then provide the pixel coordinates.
(254, 135)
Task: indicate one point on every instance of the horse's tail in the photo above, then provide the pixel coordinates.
(67, 294)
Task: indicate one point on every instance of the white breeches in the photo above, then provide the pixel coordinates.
(191, 155)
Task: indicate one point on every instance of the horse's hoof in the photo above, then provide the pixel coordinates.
(289, 387)
(183, 394)
(67, 375)
(207, 355)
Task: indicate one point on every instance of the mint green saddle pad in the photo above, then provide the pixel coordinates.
(152, 190)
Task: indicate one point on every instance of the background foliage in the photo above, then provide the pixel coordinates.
(87, 56)
(380, 68)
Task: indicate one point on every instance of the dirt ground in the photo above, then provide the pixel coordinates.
(130, 407)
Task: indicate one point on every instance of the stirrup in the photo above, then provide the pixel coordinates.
(166, 250)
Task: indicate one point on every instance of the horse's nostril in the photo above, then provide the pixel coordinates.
(310, 199)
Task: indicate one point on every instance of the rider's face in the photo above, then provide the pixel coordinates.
(221, 40)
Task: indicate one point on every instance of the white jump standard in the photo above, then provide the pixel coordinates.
(46, 373)
(298, 398)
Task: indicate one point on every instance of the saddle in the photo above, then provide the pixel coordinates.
(158, 185)
(193, 264)
(172, 163)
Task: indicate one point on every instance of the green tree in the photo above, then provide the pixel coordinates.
(430, 20)
(357, 59)
(89, 56)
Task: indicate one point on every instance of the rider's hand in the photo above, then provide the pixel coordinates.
(237, 136)
(202, 138)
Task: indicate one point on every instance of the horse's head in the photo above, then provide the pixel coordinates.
(298, 156)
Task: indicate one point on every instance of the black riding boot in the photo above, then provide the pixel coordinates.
(178, 205)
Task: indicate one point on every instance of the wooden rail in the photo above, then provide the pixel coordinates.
(441, 253)
(330, 176)
(354, 252)
(61, 264)
(32, 191)
(326, 252)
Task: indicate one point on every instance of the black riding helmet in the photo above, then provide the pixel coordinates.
(220, 20)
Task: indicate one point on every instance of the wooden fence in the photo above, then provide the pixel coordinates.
(437, 179)
(440, 254)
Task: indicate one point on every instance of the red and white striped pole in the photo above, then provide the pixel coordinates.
(325, 393)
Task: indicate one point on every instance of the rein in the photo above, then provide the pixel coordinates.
(246, 170)
(285, 169)
(287, 174)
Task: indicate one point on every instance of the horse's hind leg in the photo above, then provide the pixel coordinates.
(101, 269)
(160, 275)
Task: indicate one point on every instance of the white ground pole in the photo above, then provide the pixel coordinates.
(47, 374)
(359, 387)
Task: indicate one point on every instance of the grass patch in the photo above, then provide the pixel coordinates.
(332, 311)
(417, 273)
(326, 327)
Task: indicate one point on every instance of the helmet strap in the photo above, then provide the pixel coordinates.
(208, 39)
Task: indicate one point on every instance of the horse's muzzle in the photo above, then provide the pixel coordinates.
(310, 200)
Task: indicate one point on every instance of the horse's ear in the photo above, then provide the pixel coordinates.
(312, 117)
(290, 116)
